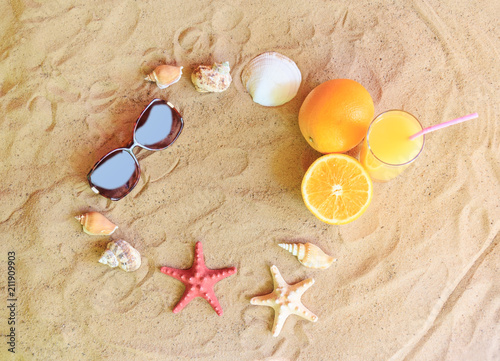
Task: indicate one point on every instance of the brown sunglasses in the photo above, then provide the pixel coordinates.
(117, 173)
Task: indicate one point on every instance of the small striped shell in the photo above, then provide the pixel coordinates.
(309, 255)
(121, 253)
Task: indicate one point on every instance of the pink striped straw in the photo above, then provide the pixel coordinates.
(444, 125)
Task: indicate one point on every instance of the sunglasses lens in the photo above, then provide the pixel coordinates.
(115, 175)
(158, 126)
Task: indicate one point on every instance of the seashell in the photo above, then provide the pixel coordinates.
(309, 255)
(215, 78)
(271, 78)
(165, 75)
(95, 224)
(121, 253)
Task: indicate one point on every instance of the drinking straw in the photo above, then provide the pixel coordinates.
(444, 125)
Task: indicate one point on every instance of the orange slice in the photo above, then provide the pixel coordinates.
(337, 189)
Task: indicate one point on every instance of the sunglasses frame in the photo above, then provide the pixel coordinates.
(130, 147)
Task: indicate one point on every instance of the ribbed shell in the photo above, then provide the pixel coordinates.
(121, 253)
(271, 78)
(309, 255)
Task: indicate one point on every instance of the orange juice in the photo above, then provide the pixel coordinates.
(387, 149)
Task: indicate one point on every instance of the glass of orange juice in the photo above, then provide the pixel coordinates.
(387, 150)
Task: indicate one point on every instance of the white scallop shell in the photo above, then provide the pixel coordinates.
(272, 79)
(121, 253)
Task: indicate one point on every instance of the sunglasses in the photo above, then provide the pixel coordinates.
(117, 173)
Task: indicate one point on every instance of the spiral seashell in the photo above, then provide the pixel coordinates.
(95, 224)
(309, 255)
(271, 78)
(214, 79)
(121, 253)
(165, 75)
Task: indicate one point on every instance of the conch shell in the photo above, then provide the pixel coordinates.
(121, 253)
(271, 78)
(309, 255)
(165, 75)
(95, 224)
(214, 79)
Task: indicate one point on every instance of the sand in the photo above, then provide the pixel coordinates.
(417, 274)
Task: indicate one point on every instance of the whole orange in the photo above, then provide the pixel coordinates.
(335, 115)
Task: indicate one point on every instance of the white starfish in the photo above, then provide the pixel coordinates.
(285, 299)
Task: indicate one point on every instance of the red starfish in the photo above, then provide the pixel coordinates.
(199, 280)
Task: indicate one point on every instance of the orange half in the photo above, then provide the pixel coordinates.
(337, 189)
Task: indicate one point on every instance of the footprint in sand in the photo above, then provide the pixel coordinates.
(232, 32)
(191, 44)
(101, 96)
(226, 18)
(212, 37)
(117, 28)
(60, 89)
(44, 110)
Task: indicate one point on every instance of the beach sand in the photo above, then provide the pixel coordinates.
(416, 276)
